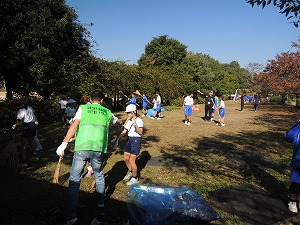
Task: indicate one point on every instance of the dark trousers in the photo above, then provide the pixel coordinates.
(242, 105)
(208, 112)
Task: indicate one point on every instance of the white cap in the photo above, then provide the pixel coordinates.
(130, 108)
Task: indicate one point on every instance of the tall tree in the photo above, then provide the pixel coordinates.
(163, 51)
(290, 8)
(36, 38)
(281, 75)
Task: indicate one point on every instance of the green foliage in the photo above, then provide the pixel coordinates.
(276, 100)
(177, 102)
(46, 51)
(46, 111)
(290, 8)
(36, 39)
(7, 115)
(163, 51)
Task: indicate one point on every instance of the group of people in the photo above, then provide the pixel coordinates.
(212, 104)
(68, 109)
(91, 125)
(256, 101)
(144, 101)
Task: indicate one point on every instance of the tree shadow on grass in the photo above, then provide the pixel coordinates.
(119, 170)
(254, 205)
(250, 155)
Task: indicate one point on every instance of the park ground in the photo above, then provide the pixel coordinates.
(241, 169)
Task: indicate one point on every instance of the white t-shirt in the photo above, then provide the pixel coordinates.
(26, 115)
(63, 104)
(158, 99)
(79, 112)
(154, 103)
(131, 129)
(188, 100)
(222, 104)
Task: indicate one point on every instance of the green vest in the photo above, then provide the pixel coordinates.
(92, 133)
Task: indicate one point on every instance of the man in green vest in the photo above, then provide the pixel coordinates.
(91, 125)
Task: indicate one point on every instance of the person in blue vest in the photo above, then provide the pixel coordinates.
(293, 136)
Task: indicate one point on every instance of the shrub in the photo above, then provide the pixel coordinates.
(176, 102)
(276, 100)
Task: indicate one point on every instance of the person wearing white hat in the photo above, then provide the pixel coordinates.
(134, 128)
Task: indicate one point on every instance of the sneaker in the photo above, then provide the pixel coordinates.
(34, 159)
(90, 172)
(128, 176)
(22, 165)
(212, 119)
(218, 124)
(132, 181)
(223, 124)
(159, 118)
(71, 221)
(96, 222)
(293, 206)
(188, 123)
(152, 118)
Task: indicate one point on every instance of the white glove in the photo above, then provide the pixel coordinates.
(61, 149)
(14, 126)
(36, 122)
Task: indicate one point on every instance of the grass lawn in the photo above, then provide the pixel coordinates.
(241, 169)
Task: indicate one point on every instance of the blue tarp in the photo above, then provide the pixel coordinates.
(165, 205)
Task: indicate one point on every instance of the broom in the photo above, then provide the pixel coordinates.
(57, 170)
(138, 93)
(122, 93)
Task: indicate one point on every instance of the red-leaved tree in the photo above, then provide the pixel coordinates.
(281, 75)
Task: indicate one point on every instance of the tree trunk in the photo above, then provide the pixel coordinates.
(298, 100)
(283, 99)
(8, 91)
